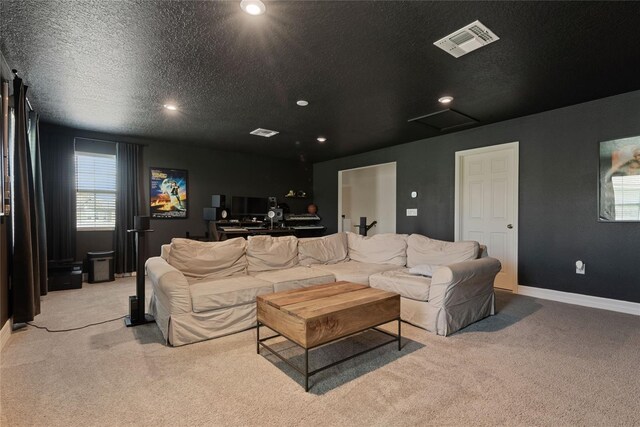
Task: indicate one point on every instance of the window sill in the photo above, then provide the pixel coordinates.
(96, 229)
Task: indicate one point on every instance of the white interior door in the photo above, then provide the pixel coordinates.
(368, 192)
(487, 205)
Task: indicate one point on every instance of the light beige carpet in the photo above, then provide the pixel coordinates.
(535, 363)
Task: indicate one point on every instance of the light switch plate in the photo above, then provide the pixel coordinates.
(412, 212)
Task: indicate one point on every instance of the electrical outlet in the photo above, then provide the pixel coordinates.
(580, 267)
(412, 212)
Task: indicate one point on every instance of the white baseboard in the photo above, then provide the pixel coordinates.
(5, 334)
(583, 300)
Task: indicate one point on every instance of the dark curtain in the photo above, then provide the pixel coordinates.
(59, 187)
(25, 264)
(41, 228)
(128, 205)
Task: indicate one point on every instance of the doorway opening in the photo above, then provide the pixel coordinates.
(368, 192)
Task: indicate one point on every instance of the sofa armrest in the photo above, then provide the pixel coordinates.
(169, 286)
(457, 283)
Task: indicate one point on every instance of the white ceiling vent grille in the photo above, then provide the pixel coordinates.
(264, 132)
(467, 39)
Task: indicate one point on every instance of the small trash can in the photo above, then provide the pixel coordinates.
(101, 266)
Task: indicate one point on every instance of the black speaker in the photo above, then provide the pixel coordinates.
(215, 214)
(133, 308)
(209, 214)
(279, 215)
(273, 203)
(217, 201)
(141, 222)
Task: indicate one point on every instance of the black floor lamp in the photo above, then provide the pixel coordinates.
(137, 316)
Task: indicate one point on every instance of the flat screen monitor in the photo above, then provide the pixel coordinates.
(249, 206)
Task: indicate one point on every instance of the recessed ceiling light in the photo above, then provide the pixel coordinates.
(302, 103)
(322, 139)
(445, 99)
(253, 7)
(171, 107)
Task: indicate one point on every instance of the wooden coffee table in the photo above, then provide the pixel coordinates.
(318, 315)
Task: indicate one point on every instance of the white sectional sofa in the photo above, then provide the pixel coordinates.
(203, 290)
(459, 292)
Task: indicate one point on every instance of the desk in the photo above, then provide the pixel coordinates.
(224, 234)
(228, 230)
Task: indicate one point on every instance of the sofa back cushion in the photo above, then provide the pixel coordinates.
(423, 250)
(208, 259)
(266, 253)
(329, 249)
(387, 248)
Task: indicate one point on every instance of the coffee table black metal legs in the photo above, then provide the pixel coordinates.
(305, 370)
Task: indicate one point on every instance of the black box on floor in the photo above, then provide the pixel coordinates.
(101, 266)
(64, 274)
(133, 308)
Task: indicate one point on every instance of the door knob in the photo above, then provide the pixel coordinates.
(510, 226)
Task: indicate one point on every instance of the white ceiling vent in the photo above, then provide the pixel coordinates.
(467, 39)
(264, 132)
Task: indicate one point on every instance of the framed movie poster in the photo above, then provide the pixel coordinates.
(619, 180)
(168, 195)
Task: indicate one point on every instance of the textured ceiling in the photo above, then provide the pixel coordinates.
(365, 67)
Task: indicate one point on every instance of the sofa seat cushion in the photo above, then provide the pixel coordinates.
(387, 248)
(227, 292)
(356, 272)
(296, 277)
(265, 253)
(402, 282)
(423, 250)
(423, 270)
(329, 249)
(208, 260)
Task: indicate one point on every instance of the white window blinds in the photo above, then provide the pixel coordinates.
(96, 191)
(626, 190)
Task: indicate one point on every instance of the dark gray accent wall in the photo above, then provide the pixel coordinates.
(557, 201)
(210, 172)
(217, 172)
(93, 241)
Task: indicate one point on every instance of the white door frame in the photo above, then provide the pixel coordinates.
(457, 218)
(340, 187)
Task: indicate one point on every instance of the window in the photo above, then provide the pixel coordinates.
(626, 190)
(96, 191)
